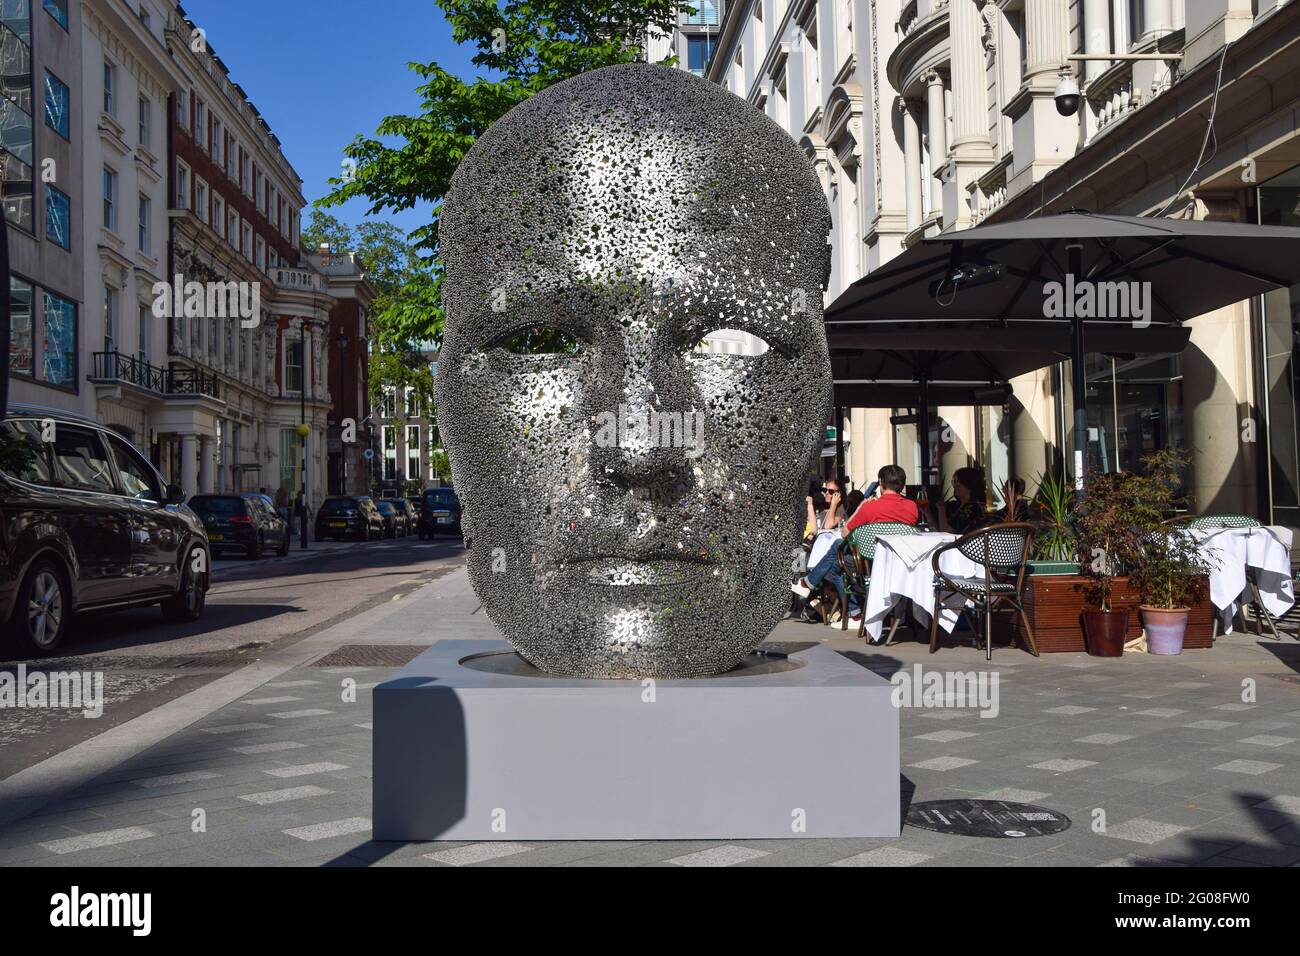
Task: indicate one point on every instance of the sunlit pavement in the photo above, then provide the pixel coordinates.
(1183, 761)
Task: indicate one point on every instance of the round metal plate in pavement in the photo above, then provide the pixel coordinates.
(986, 818)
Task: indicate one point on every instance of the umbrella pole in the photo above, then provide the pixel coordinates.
(1077, 375)
(923, 431)
(839, 446)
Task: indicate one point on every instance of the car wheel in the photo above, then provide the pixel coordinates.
(42, 609)
(255, 549)
(188, 601)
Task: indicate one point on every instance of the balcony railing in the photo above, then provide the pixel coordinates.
(303, 279)
(134, 370)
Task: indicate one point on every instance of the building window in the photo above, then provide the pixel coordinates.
(260, 254)
(257, 188)
(201, 199)
(200, 123)
(144, 17)
(182, 186)
(218, 215)
(218, 138)
(293, 366)
(110, 319)
(413, 470)
(146, 211)
(390, 452)
(232, 228)
(110, 84)
(58, 9)
(183, 109)
(57, 217)
(21, 356)
(706, 13)
(56, 104)
(16, 158)
(698, 51)
(232, 150)
(110, 198)
(243, 171)
(246, 242)
(146, 122)
(59, 350)
(388, 403)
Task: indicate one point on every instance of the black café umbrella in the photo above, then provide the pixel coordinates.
(1040, 279)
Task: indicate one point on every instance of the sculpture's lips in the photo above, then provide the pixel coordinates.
(629, 570)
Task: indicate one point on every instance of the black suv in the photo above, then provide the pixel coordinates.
(88, 524)
(441, 512)
(352, 516)
(243, 522)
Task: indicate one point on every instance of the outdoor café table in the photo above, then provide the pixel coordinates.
(1230, 551)
(901, 571)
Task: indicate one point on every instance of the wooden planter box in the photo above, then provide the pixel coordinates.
(1054, 604)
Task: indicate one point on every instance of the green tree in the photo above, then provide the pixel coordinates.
(523, 46)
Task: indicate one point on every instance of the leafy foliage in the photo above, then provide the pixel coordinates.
(1052, 512)
(1169, 572)
(524, 46)
(1119, 523)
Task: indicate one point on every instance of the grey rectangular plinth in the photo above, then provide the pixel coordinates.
(464, 755)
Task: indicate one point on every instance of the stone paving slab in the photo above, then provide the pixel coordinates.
(1157, 761)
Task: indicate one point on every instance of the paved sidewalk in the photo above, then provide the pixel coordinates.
(1193, 760)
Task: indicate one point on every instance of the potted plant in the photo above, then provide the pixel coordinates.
(1168, 571)
(1056, 548)
(1108, 532)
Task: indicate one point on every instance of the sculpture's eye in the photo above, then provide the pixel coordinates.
(730, 342)
(538, 340)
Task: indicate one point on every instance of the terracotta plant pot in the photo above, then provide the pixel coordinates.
(1165, 628)
(1104, 631)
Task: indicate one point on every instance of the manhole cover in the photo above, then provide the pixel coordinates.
(371, 655)
(986, 818)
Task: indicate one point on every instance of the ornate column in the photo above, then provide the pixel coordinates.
(189, 464)
(937, 131)
(1046, 36)
(1096, 35)
(911, 164)
(1157, 18)
(969, 85)
(206, 460)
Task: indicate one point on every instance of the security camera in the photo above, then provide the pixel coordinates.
(1067, 94)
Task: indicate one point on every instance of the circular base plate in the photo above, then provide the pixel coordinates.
(510, 664)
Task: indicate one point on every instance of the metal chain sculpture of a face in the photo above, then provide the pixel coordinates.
(631, 499)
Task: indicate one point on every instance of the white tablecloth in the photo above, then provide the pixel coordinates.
(901, 570)
(1231, 551)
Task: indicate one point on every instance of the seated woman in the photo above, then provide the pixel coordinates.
(965, 512)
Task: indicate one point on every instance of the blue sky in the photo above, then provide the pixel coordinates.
(322, 71)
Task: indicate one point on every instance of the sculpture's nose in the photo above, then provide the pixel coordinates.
(638, 404)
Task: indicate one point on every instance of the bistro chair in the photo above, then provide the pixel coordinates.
(855, 567)
(1003, 552)
(1219, 523)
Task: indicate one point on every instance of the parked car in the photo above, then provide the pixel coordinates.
(349, 516)
(417, 507)
(87, 523)
(404, 506)
(395, 521)
(243, 522)
(440, 514)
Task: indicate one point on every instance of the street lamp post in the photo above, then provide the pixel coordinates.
(343, 341)
(302, 434)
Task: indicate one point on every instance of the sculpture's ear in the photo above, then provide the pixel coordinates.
(826, 266)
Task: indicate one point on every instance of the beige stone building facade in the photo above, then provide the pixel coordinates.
(927, 116)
